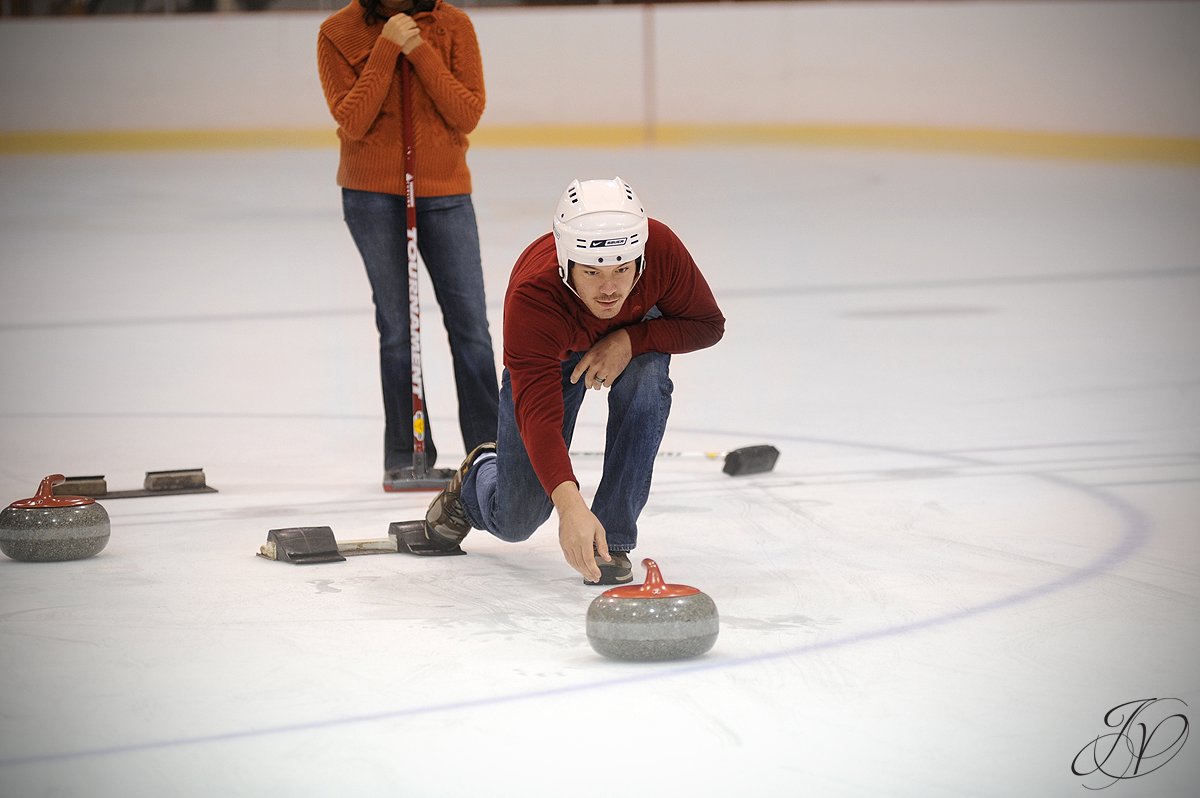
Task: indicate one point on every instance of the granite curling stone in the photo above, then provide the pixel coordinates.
(652, 621)
(49, 528)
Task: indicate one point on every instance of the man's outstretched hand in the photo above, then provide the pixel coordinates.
(580, 532)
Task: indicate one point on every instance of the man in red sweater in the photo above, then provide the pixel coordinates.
(602, 302)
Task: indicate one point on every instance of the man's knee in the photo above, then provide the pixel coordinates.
(648, 368)
(515, 524)
(516, 530)
(645, 384)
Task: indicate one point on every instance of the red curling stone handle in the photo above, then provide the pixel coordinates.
(653, 587)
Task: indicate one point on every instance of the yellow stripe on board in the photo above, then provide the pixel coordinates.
(50, 142)
(986, 142)
(1184, 151)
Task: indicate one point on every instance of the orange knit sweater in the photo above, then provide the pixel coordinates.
(360, 73)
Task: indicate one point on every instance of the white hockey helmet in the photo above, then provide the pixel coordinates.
(599, 223)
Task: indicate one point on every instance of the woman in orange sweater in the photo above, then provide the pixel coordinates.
(360, 50)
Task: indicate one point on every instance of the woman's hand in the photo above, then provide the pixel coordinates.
(402, 30)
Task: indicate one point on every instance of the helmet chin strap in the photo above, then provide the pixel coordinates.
(565, 274)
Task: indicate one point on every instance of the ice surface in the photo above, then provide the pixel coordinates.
(983, 374)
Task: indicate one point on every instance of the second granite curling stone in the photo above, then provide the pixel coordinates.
(49, 528)
(652, 621)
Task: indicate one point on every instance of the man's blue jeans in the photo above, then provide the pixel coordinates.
(503, 494)
(448, 240)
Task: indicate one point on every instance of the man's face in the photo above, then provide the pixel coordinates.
(604, 289)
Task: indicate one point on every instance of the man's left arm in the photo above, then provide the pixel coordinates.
(690, 319)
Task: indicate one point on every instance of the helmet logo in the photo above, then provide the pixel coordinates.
(608, 242)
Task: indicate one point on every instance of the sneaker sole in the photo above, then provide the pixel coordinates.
(612, 576)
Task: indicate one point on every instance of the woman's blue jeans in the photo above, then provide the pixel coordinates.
(503, 494)
(448, 240)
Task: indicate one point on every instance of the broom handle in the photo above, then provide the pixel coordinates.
(704, 455)
(420, 467)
